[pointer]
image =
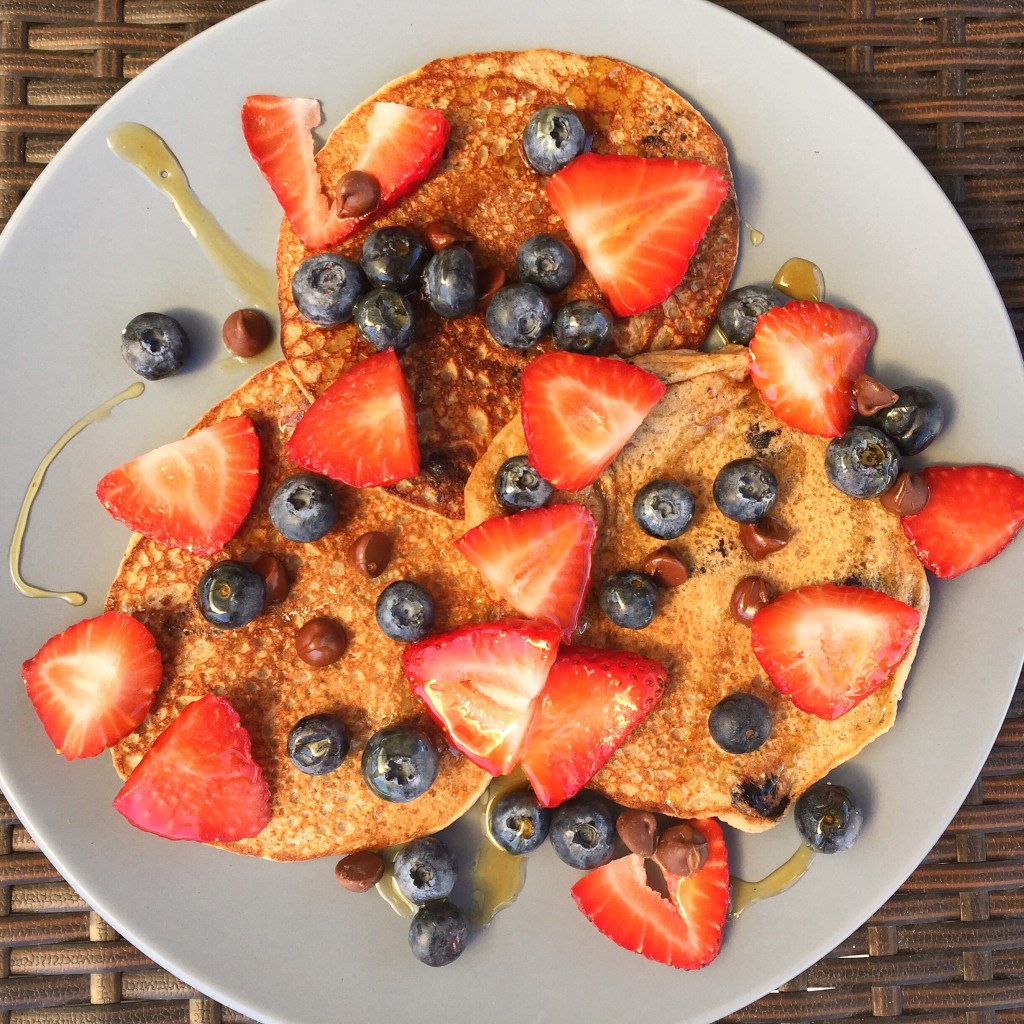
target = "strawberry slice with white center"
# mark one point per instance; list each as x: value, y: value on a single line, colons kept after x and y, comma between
x: 362, y: 429
x: 579, y: 411
x: 94, y: 683
x: 592, y: 700
x: 199, y: 781
x: 830, y: 646
x: 804, y: 359
x: 481, y: 684
x: 636, y: 221
x: 538, y: 560
x: 193, y: 493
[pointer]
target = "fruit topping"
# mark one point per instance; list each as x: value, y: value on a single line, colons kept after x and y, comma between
x: 665, y: 567
x: 547, y: 262
x: 828, y: 818
x: 231, y: 594
x: 370, y: 553
x: 450, y: 282
x: 357, y: 193
x: 663, y: 509
x: 384, y: 319
x: 518, y: 486
x: 583, y: 327
x: 912, y: 421
x: 519, y: 315
x: 93, y: 683
x: 438, y: 933
x: 972, y: 513
x: 425, y: 870
x: 682, y: 850
x: 629, y: 599
x: 579, y: 411
x: 304, y: 507
x: 553, y: 136
x: 750, y: 594
x: 638, y: 831
x: 359, y: 872
x: 320, y: 641
x: 245, y: 333
x: 738, y: 313
x: 830, y: 646
x: 863, y: 463
x: 198, y: 781
x: 740, y: 723
x: 404, y: 611
x: 636, y: 221
x: 317, y: 744
x: 518, y: 823
x: 907, y: 496
x: 400, y: 762
x: 193, y: 493
x: 325, y: 288
x: 154, y: 345
x: 583, y: 832
x: 394, y: 257
x: 745, y: 490
x: 764, y: 537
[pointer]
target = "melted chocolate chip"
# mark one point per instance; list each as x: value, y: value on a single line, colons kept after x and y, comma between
x: 764, y: 537
x: 907, y: 496
x: 359, y: 872
x: 320, y: 642
x: 275, y: 579
x: 870, y: 396
x: 667, y: 568
x: 246, y: 333
x: 442, y: 233
x: 371, y: 552
x: 682, y: 850
x: 358, y: 194
x: 638, y: 831
x: 751, y: 593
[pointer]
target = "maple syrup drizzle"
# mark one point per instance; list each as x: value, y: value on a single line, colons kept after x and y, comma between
x: 800, y: 279
x: 745, y: 893
x: 756, y: 237
x: 17, y: 540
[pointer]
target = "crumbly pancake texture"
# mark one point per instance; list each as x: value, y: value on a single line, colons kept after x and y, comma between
x: 257, y: 668
x: 466, y: 386
x: 710, y: 415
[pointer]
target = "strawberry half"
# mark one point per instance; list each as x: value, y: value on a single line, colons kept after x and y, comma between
x: 538, y: 560
x: 198, y: 781
x: 829, y: 646
x: 193, y: 493
x: 592, y: 700
x: 94, y: 683
x: 636, y: 221
x: 804, y: 358
x: 973, y: 512
x: 579, y: 411
x: 362, y: 429
x: 481, y: 684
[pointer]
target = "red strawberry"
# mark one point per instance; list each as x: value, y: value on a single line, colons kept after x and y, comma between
x: 538, y: 560
x: 481, y: 683
x: 404, y: 145
x: 198, y: 780
x: 831, y: 646
x: 93, y: 683
x: 579, y: 412
x: 590, y: 703
x: 636, y: 221
x: 804, y: 358
x: 193, y: 493
x: 362, y: 429
x: 973, y: 512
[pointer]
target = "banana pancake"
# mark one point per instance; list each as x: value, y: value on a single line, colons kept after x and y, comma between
x: 465, y: 385
x: 709, y: 415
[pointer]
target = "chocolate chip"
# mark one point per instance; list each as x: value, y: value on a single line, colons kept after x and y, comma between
x: 666, y: 567
x: 907, y: 496
x: 320, y: 642
x: 488, y: 281
x: 359, y: 872
x: 246, y: 333
x: 638, y: 831
x: 275, y: 579
x: 442, y: 233
x: 751, y: 593
x: 358, y: 193
x: 764, y: 537
x: 682, y: 850
x: 870, y: 396
x: 371, y: 552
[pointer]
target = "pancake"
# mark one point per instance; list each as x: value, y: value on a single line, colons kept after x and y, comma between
x: 710, y: 415
x: 465, y: 385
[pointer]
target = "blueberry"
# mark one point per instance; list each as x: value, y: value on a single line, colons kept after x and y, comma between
x: 449, y: 282
x: 553, y: 137
x: 384, y: 318
x: 863, y: 463
x: 518, y: 485
x: 629, y: 599
x: 394, y: 257
x: 230, y: 594
x: 438, y: 933
x: 317, y: 744
x: 740, y: 723
x: 519, y: 315
x: 404, y: 611
x: 325, y: 288
x: 425, y: 870
x: 745, y: 490
x: 583, y: 327
x: 400, y: 763
x: 547, y: 262
x: 738, y: 313
x: 517, y: 821
x: 583, y: 832
x: 304, y: 507
x: 154, y: 345
x: 828, y: 818
x: 663, y: 508
x: 913, y: 422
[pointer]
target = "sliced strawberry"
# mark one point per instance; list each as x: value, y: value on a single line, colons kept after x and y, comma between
x: 481, y: 683
x: 829, y: 646
x: 592, y: 700
x: 193, y: 493
x: 362, y: 429
x: 973, y: 512
x: 579, y: 411
x: 538, y: 560
x: 93, y: 683
x: 804, y: 358
x: 636, y: 221
x: 198, y: 781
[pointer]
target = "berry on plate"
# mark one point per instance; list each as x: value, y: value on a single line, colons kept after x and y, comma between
x: 193, y: 493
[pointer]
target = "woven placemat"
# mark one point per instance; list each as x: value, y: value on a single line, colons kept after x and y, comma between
x: 949, y: 77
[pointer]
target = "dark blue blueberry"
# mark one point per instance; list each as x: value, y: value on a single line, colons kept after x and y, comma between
x: 384, y: 318
x: 518, y: 823
x: 553, y: 137
x: 438, y: 933
x: 740, y: 723
x: 304, y: 507
x: 325, y: 288
x: 738, y: 313
x: 449, y: 282
x: 518, y: 485
x: 745, y: 490
x: 425, y: 870
x: 154, y: 345
x: 629, y: 599
x: 863, y: 463
x: 913, y: 422
x: 400, y: 763
x: 828, y: 818
x: 583, y: 832
x: 318, y: 744
x: 547, y: 262
x: 663, y: 508
x: 583, y: 327
x: 230, y: 594
x: 394, y: 257
x: 404, y: 611
x: 519, y: 315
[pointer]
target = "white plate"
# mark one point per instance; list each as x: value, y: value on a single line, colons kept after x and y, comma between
x: 93, y: 244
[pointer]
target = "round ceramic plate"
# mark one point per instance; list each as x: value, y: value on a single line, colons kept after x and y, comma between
x: 93, y: 244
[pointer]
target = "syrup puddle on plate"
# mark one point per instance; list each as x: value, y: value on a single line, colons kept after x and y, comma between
x: 745, y: 893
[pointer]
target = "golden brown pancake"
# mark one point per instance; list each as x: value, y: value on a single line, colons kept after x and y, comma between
x: 466, y: 386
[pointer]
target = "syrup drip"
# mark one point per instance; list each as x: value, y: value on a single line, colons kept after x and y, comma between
x: 756, y: 237
x: 800, y: 279
x: 745, y: 893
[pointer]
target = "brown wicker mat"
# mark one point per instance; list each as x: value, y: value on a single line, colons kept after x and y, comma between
x: 949, y: 77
